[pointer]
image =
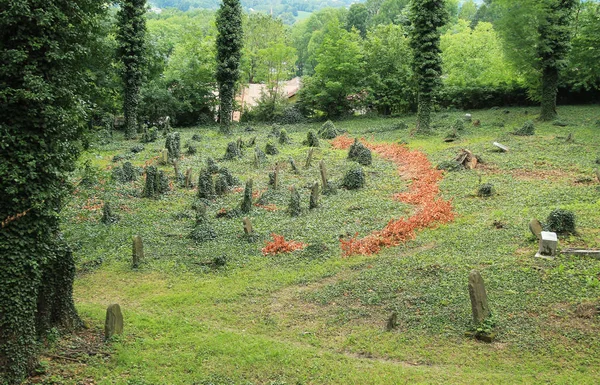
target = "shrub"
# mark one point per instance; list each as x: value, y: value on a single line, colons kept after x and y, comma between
x: 294, y: 207
x: 291, y: 115
x: 485, y: 190
x: 137, y: 148
x: 354, y: 178
x: 270, y: 149
x: 459, y: 125
x: 232, y: 151
x: 156, y: 183
x: 202, y: 230
x: 561, y: 221
x: 108, y: 217
x: 221, y: 185
x: 283, y: 137
x: 312, y: 140
x: 230, y: 179
x: 328, y: 130
x: 206, y: 187
x: 211, y: 165
x: 173, y: 145
x: 191, y: 150
x: 360, y: 153
x: 528, y: 129
x: 449, y: 165
x: 150, y: 135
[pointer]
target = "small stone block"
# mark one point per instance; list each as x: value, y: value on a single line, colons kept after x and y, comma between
x: 114, y: 321
x: 501, y: 146
x: 486, y: 337
x: 548, y: 244
x: 536, y: 228
x: 138, y: 251
x: 468, y: 117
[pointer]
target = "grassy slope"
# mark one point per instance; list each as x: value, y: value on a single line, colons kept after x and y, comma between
x: 306, y: 319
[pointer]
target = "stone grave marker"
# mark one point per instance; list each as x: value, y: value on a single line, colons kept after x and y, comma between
x: 164, y: 156
x: 536, y: 228
x: 548, y: 244
x: 392, y: 322
x: 468, y: 117
x: 247, y: 226
x: 138, y: 251
x: 247, y: 201
x: 479, y: 303
x: 598, y: 174
x: 309, y: 158
x: 113, y: 324
x: 323, y: 170
x: 502, y: 147
x: 188, y: 178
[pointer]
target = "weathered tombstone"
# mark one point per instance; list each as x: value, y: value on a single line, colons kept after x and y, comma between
x: 206, y: 185
x: 323, y: 170
x: 108, y: 217
x: 309, y: 157
x: 548, y: 244
x: 594, y: 253
x: 468, y: 117
x: 536, y: 228
x: 164, y: 156
x: 232, y: 151
x: 502, y: 147
x: 392, y: 322
x: 188, y: 178
x: 202, y: 231
x: 247, y: 226
x: 138, y: 251
x: 247, y: 201
x: 274, y: 178
x: 293, y: 164
x: 173, y: 146
x: 256, y: 161
x: 113, y: 324
x: 314, y: 196
x: 240, y: 143
x: 598, y: 174
x: 479, y: 304
x: 570, y: 138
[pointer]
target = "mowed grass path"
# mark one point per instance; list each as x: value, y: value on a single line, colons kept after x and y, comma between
x: 306, y: 319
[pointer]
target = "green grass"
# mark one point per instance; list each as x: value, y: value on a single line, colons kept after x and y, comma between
x: 305, y: 318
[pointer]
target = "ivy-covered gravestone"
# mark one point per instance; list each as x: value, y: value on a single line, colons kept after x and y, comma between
x: 173, y: 145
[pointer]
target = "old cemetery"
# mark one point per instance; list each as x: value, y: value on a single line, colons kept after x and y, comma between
x: 338, y: 253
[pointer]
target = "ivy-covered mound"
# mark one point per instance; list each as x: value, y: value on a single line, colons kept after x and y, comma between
x: 423, y: 193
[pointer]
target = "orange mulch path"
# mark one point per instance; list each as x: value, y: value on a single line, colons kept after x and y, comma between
x: 431, y: 210
x: 280, y: 245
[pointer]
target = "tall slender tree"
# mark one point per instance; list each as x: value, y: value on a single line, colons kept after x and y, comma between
x: 229, y: 52
x: 555, y: 42
x: 426, y: 16
x: 131, y: 52
x: 537, y: 36
x: 43, y: 46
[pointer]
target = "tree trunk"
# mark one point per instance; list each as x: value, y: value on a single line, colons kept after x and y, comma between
x: 130, y: 107
x: 549, y: 91
x: 226, y: 93
x: 423, y: 114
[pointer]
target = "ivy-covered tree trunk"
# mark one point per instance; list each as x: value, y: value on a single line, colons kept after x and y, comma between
x: 555, y: 41
x: 43, y: 46
x: 426, y: 16
x: 131, y: 52
x: 229, y: 51
x: 549, y: 91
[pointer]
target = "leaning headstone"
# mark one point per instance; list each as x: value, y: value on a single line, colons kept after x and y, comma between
x: 536, y: 228
x: 548, y: 244
x: 113, y: 324
x: 138, y: 251
x: 314, y: 196
x: 323, y: 170
x: 247, y: 201
x: 479, y: 304
x: 502, y: 147
x: 247, y: 226
x: 309, y: 157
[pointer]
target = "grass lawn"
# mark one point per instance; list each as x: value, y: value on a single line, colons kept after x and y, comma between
x: 315, y: 317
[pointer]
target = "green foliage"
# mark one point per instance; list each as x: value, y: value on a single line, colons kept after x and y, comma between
x: 354, y: 178
x: 132, y: 55
x: 527, y: 129
x: 202, y: 231
x: 108, y: 217
x: 584, y: 57
x: 427, y: 17
x: 229, y: 45
x: 328, y: 130
x: 157, y: 183
x: 359, y: 153
x: 270, y: 149
x: 340, y: 63
x: 485, y: 190
x: 173, y: 145
x: 357, y: 18
x: 388, y: 70
x: 294, y: 208
x: 561, y: 221
x: 150, y: 135
x: 206, y: 186
x: 44, y: 44
x: 126, y: 173
x: 312, y: 140
x: 284, y: 137
x: 449, y: 165
x: 232, y: 151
